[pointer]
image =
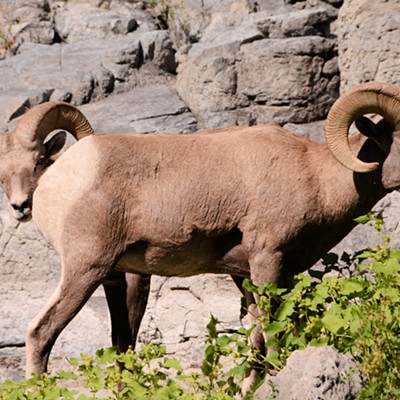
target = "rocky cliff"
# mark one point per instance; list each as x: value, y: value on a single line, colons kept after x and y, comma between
x: 219, y: 63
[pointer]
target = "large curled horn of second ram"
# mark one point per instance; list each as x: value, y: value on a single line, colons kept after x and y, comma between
x: 39, y: 121
x: 374, y: 97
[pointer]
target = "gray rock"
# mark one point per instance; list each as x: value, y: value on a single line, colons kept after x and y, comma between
x: 297, y: 86
x: 276, y: 7
x: 312, y: 130
x: 29, y: 10
x: 215, y: 79
x: 35, y: 32
x: 158, y: 48
x: 207, y: 79
x: 369, y: 47
x: 14, y: 103
x: 314, y: 373
x: 207, y: 19
x: 77, y: 21
x: 191, y: 301
x: 142, y: 110
x: 293, y: 24
x: 87, y: 70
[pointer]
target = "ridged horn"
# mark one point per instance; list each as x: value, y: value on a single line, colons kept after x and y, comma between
x: 374, y: 97
x: 44, y: 118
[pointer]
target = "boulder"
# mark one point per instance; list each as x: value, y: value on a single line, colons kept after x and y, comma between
x: 368, y: 42
x: 85, y: 71
x: 314, y: 373
x: 215, y: 79
x: 298, y: 90
x: 77, y: 21
x: 143, y: 110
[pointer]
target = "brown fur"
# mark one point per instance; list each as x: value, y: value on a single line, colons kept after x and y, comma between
x: 249, y: 201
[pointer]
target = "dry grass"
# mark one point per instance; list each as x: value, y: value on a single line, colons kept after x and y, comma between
x: 7, y: 38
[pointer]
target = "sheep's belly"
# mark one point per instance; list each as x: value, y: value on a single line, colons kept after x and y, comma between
x: 191, y: 258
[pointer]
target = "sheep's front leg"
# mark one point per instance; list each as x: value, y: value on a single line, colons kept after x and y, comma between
x: 127, y: 296
x: 76, y: 286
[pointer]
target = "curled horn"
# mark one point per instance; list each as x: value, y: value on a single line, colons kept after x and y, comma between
x: 39, y: 121
x: 374, y: 97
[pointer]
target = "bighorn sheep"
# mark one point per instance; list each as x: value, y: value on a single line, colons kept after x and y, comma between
x: 24, y: 156
x: 249, y: 201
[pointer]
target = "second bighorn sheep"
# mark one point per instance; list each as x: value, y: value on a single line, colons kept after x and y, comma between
x: 249, y: 201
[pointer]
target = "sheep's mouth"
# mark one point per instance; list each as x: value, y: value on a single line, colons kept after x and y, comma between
x: 23, y: 216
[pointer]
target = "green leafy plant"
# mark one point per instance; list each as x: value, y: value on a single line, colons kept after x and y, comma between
x: 222, y: 383
x: 148, y: 374
x: 354, y: 309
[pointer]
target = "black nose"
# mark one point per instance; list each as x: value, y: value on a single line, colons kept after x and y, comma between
x: 20, y: 207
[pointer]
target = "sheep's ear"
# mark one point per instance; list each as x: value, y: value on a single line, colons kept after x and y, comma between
x: 380, y: 133
x: 55, y: 144
x: 366, y: 127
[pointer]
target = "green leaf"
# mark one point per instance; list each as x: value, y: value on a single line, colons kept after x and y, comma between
x: 394, y: 253
x: 139, y: 392
x: 287, y: 340
x: 212, y: 327
x: 73, y: 361
x: 107, y: 355
x: 389, y: 267
x: 285, y: 310
x: 239, y: 370
x: 332, y: 319
x: 223, y: 340
x: 249, y: 286
x: 392, y: 294
x: 304, y: 281
x: 274, y: 360
x: 275, y: 327
x: 206, y: 368
x: 350, y: 287
x: 272, y: 343
x: 84, y: 397
x: 172, y: 363
x: 68, y: 375
x: 363, y: 219
x: 318, y: 299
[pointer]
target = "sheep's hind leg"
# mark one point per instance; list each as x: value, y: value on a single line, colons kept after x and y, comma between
x: 72, y: 293
x: 127, y: 296
x: 264, y: 267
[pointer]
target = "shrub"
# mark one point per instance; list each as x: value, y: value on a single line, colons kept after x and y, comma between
x: 148, y: 374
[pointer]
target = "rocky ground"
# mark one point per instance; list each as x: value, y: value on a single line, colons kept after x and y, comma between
x: 220, y: 63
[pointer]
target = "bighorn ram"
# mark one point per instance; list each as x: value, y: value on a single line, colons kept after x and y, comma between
x: 24, y: 156
x: 249, y: 201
